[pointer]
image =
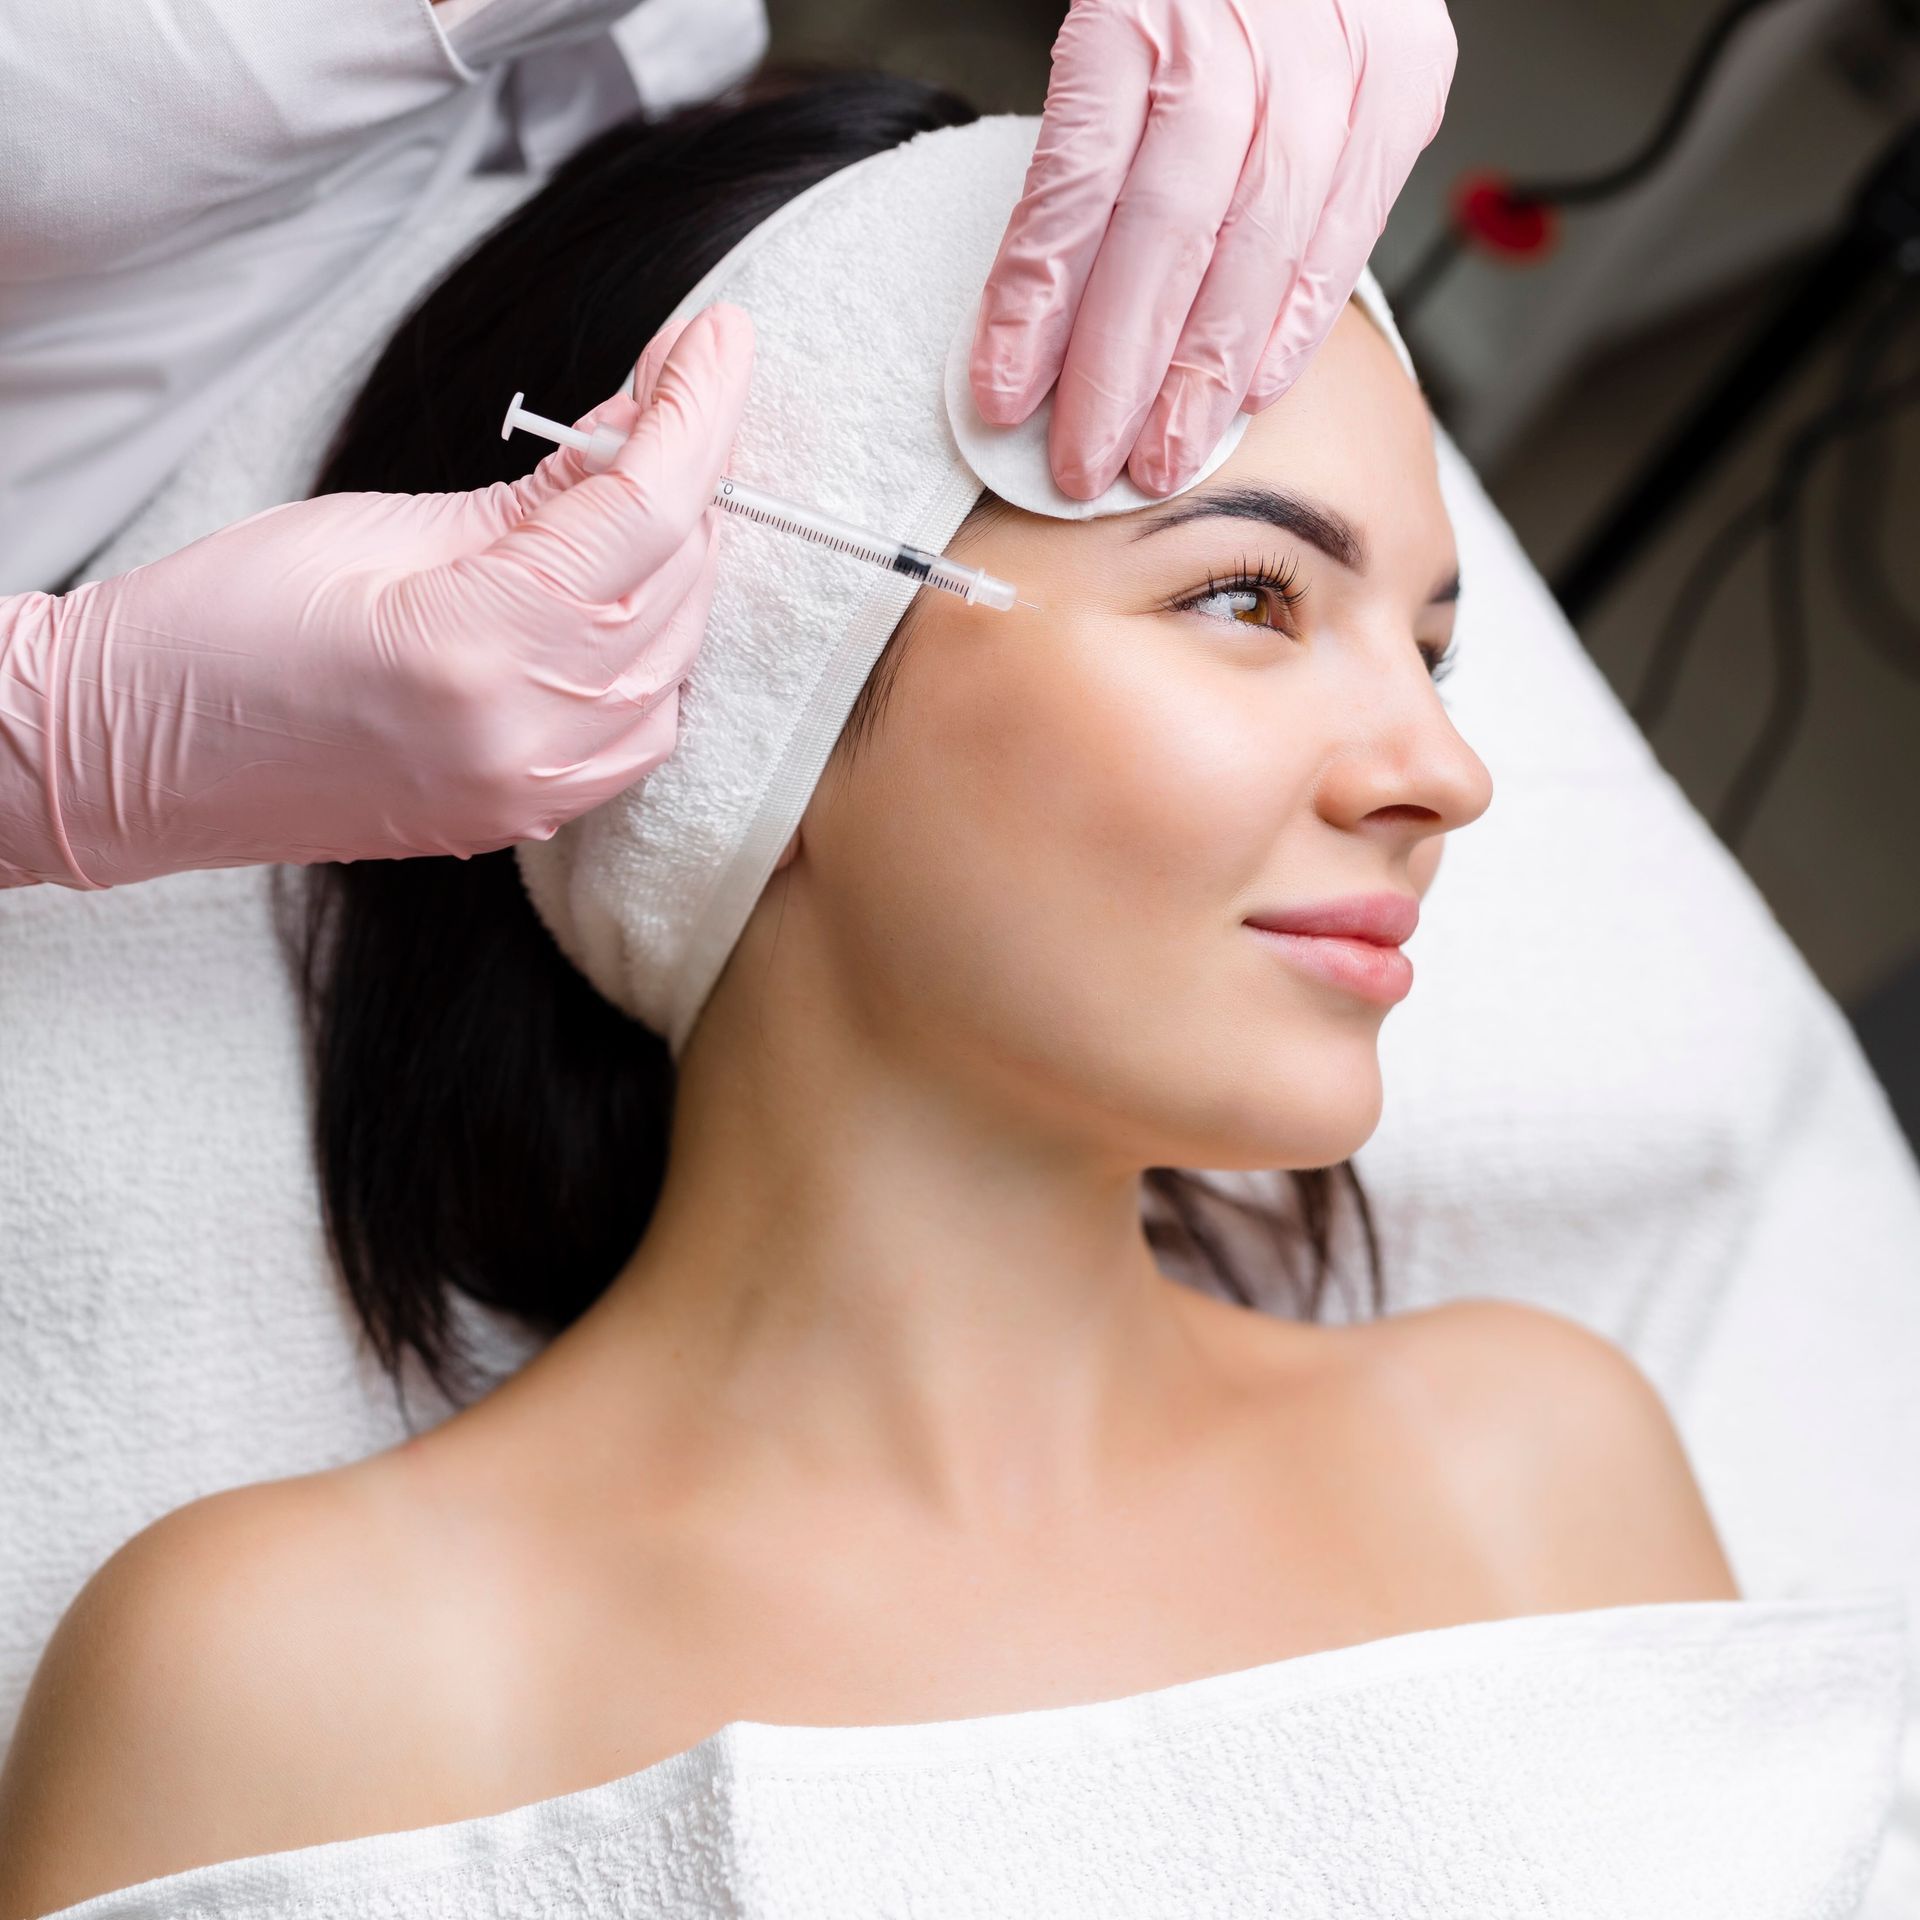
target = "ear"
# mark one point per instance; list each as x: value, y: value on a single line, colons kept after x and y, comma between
x: 788, y: 851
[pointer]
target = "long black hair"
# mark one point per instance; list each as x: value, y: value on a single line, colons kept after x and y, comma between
x: 485, y: 1124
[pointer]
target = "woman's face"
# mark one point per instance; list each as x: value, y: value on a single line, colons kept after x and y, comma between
x: 1040, y: 872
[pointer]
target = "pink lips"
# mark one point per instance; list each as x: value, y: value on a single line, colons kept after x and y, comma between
x: 1352, y: 943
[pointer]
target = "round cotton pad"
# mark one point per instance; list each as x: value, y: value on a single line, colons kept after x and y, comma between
x: 1013, y: 460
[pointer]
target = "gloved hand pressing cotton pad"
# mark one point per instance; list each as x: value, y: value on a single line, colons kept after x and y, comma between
x: 1014, y: 461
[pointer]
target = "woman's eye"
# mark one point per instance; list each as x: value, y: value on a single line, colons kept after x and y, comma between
x: 1248, y: 603
x: 1255, y: 594
x: 1252, y: 605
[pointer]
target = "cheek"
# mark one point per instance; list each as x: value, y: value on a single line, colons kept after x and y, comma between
x: 1040, y: 869
x: 1130, y: 781
x: 1072, y: 827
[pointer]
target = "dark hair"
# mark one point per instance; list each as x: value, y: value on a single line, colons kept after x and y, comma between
x: 485, y: 1124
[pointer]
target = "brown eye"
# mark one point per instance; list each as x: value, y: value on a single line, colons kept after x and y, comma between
x: 1252, y: 606
x: 1255, y: 594
x: 1260, y: 596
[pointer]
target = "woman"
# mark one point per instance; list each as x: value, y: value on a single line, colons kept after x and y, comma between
x: 868, y: 1403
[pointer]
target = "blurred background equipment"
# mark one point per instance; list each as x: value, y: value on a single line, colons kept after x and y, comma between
x: 1661, y: 271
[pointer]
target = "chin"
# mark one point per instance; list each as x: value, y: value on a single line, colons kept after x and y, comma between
x: 1316, y: 1110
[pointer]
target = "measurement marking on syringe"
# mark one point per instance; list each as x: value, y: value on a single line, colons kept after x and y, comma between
x: 833, y: 544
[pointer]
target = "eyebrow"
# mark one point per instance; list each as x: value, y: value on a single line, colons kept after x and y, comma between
x: 1311, y: 520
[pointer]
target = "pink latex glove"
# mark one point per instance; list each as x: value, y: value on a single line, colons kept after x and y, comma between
x: 1210, y: 178
x: 369, y: 675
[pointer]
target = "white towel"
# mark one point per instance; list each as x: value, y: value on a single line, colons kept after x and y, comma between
x: 1617, y: 1092
x: 1730, y: 1760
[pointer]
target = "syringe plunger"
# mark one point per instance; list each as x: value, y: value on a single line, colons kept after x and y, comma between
x: 600, y: 446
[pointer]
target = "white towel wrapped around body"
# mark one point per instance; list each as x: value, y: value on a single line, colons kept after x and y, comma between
x: 1730, y: 1760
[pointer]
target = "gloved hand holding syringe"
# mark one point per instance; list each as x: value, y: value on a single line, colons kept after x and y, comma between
x: 440, y: 673
x: 602, y: 445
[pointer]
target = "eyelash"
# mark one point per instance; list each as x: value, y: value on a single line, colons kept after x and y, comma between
x: 1278, y: 584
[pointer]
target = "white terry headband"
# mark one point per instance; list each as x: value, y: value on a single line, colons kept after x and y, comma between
x: 862, y: 291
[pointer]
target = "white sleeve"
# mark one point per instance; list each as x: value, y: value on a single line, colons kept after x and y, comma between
x: 675, y: 51
x: 680, y: 51
x: 580, y: 65
x: 485, y: 32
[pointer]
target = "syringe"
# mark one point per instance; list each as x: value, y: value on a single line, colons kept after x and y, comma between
x: 970, y: 583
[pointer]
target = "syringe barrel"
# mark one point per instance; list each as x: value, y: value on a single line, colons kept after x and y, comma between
x: 839, y: 536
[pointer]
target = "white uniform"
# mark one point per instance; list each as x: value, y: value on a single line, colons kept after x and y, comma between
x: 181, y: 181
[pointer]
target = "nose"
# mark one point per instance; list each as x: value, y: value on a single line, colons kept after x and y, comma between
x: 1404, y: 771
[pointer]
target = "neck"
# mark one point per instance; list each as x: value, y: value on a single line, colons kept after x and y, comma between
x: 858, y: 1273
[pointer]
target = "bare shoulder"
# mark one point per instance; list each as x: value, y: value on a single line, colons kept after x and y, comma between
x: 1557, y: 1452
x: 191, y: 1705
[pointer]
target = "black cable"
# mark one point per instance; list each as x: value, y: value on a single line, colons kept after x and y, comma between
x: 1661, y: 675
x: 1779, y: 512
x: 1784, y: 507
x: 1427, y: 272
x: 1585, y: 189
x: 1861, y: 411
x: 1861, y: 497
x: 1792, y: 665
